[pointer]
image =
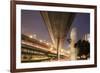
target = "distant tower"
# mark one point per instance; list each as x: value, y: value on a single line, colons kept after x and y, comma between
x: 74, y: 38
x: 86, y: 37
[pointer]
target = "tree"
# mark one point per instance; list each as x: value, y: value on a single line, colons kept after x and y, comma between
x: 83, y: 47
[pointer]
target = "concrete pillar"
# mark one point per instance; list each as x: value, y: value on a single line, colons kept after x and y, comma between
x: 73, y: 50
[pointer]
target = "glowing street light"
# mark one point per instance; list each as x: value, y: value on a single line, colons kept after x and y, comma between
x: 30, y: 36
x: 62, y: 50
x: 51, y: 48
x: 47, y: 43
x: 41, y: 40
x: 68, y: 52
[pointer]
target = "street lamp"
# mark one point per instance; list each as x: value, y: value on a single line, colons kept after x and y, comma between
x: 47, y: 43
x: 30, y: 36
x: 62, y: 50
x: 41, y: 41
x: 51, y: 48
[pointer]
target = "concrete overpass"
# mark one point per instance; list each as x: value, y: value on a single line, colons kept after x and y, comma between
x: 58, y: 24
x: 32, y: 50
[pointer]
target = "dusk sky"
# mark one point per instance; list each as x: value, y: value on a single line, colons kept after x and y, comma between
x: 82, y: 23
x: 32, y: 23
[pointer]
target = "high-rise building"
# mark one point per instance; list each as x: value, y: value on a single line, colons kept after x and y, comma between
x: 86, y: 37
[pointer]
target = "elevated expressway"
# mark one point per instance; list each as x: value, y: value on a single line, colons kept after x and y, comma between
x: 58, y: 25
x: 33, y: 50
